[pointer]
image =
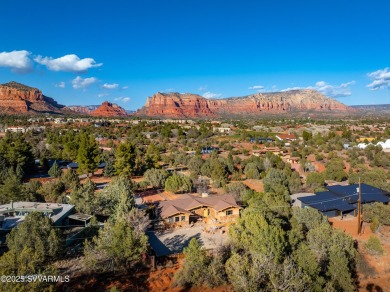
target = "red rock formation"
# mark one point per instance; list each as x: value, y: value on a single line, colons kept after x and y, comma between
x: 175, y: 105
x: 16, y: 98
x: 108, y: 109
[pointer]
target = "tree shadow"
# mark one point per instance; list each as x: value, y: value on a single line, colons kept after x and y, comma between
x: 171, y: 245
x: 373, y: 288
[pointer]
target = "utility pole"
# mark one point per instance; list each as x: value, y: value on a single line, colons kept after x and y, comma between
x: 359, y: 209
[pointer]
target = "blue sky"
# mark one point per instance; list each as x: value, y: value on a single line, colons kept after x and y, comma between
x: 86, y: 52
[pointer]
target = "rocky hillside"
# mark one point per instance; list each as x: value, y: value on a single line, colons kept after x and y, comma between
x: 83, y: 109
x: 176, y: 105
x: 16, y: 98
x: 108, y: 109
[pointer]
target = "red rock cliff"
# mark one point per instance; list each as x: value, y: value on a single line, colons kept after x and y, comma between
x: 175, y: 105
x: 16, y: 98
x: 108, y: 109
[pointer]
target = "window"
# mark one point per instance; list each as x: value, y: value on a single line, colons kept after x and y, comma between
x: 183, y: 218
x: 177, y: 219
x: 170, y: 220
x: 229, y: 212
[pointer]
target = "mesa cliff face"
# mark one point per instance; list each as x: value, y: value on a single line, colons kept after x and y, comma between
x: 108, y: 109
x: 176, y: 105
x: 16, y: 98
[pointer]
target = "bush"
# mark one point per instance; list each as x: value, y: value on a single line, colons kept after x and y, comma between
x: 374, y: 225
x: 178, y: 183
x: 374, y: 246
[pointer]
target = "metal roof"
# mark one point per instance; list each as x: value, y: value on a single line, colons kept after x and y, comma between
x: 326, y: 201
x: 369, y: 193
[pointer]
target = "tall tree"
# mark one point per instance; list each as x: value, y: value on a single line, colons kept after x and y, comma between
x: 88, y: 154
x: 125, y: 157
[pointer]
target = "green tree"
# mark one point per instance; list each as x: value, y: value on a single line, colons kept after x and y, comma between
x: 252, y: 171
x: 16, y: 151
x: 125, y: 159
x: 109, y: 169
x: 10, y: 187
x: 156, y: 177
x: 195, y: 264
x: 195, y: 164
x: 88, y: 154
x: 335, y: 170
x: 152, y: 157
x: 117, y: 198
x: 32, y: 247
x: 55, y: 170
x: 71, y: 179
x: 178, y: 183
x: 315, y: 180
x: 117, y: 247
x: 84, y: 197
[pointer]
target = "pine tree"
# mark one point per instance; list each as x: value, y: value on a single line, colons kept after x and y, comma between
x: 55, y: 170
x: 88, y: 154
x: 125, y: 157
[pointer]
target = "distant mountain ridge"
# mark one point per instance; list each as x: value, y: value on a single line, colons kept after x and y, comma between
x: 374, y: 109
x: 83, y: 109
x: 188, y: 105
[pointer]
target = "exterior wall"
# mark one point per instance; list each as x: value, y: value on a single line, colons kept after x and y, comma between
x: 221, y: 216
x: 171, y: 221
x: 202, y: 211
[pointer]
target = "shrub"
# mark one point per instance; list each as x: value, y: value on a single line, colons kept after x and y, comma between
x: 374, y: 246
x: 374, y: 225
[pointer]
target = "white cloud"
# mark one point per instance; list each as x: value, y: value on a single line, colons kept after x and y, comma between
x: 61, y: 84
x: 123, y: 99
x: 68, y: 63
x: 79, y: 82
x: 256, y: 87
x: 381, y: 79
x: 202, y: 88
x: 125, y: 87
x: 103, y: 95
x: 110, y: 86
x: 209, y: 94
x: 327, y: 89
x: 18, y: 61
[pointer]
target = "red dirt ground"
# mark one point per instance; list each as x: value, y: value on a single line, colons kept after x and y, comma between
x: 254, y: 184
x: 374, y: 272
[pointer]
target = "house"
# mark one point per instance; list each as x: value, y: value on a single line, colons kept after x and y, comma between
x: 14, y: 213
x: 208, y: 150
x: 293, y: 159
x: 221, y: 130
x: 261, y: 140
x: 339, y: 199
x: 286, y: 137
x: 181, y: 212
x: 16, y: 129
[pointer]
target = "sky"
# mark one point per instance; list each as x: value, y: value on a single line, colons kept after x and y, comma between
x: 86, y: 52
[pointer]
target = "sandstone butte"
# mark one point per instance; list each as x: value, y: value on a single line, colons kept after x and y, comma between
x: 176, y: 105
x: 16, y: 98
x: 108, y: 109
